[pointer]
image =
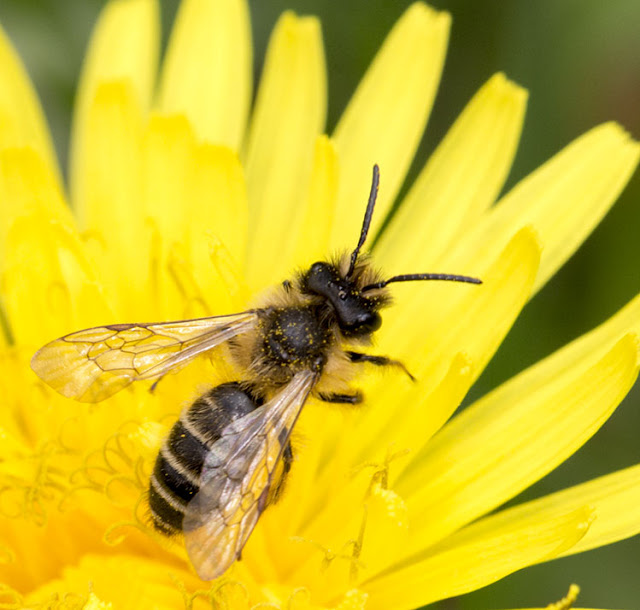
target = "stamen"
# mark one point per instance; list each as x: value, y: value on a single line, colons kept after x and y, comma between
x: 381, y: 469
x: 297, y: 593
x: 140, y: 522
x: 61, y: 440
x: 28, y: 499
x: 120, y: 472
x: 12, y: 600
x: 111, y: 536
x: 378, y: 487
x: 93, y: 601
x: 395, y: 507
x: 179, y: 584
x: 118, y: 460
x: 357, y: 546
x: 356, y: 599
x: 69, y: 601
x: 329, y: 555
x: 111, y: 491
x: 566, y: 602
x: 221, y: 594
x: 113, y: 449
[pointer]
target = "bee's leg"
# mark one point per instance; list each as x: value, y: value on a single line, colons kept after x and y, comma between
x: 280, y: 477
x: 379, y: 361
x: 343, y: 399
x: 154, y: 385
x: 287, y: 285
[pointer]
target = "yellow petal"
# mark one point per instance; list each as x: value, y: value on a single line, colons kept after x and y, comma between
x: 312, y: 235
x: 109, y: 202
x: 386, y: 116
x: 583, y: 352
x: 28, y: 187
x: 218, y: 203
x: 477, y: 556
x: 169, y: 146
x: 194, y: 197
x: 473, y: 324
x: 22, y: 122
x: 502, y: 448
x: 215, y: 206
x: 288, y: 117
x: 615, y: 498
x: 149, y: 584
x: 460, y: 181
x: 28, y: 570
x: 565, y: 363
x: 432, y: 321
x: 207, y: 70
x: 168, y: 149
x: 564, y: 199
x: 48, y: 286
x: 476, y: 326
x: 35, y: 218
x: 424, y: 410
x: 124, y: 46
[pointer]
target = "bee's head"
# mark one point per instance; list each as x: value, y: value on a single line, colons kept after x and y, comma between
x: 356, y: 311
x: 357, y: 315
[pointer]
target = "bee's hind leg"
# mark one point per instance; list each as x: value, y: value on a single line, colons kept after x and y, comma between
x: 154, y: 385
x: 378, y: 361
x: 343, y: 399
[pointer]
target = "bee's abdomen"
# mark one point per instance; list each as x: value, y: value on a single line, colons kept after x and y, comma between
x: 176, y: 475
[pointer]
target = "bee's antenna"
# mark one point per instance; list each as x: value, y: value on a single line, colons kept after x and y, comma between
x: 412, y: 277
x: 375, y: 183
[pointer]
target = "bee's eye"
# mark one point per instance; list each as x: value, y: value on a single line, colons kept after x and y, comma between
x: 319, y: 279
x: 356, y: 315
x: 365, y: 323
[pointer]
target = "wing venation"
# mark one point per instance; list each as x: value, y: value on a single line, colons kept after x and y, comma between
x: 93, y: 364
x: 236, y: 479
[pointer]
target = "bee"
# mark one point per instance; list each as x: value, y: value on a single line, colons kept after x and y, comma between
x: 226, y: 459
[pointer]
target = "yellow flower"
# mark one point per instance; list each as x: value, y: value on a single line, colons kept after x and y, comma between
x: 185, y: 207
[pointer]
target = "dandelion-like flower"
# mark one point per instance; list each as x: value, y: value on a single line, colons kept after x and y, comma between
x: 184, y: 206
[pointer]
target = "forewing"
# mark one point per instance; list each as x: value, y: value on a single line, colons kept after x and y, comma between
x: 236, y: 478
x: 93, y: 364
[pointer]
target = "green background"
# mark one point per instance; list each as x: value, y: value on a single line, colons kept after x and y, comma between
x: 580, y: 61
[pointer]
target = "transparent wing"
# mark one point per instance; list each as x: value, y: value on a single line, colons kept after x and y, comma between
x: 93, y: 364
x: 236, y: 478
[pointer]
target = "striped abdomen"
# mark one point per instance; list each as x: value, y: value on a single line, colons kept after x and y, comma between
x: 176, y: 476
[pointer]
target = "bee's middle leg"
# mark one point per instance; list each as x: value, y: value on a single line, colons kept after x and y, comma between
x: 343, y: 399
x: 378, y: 361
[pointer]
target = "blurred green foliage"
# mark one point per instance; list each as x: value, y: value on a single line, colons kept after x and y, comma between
x: 580, y: 60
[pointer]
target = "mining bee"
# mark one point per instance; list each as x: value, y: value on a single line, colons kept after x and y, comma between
x: 227, y: 457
